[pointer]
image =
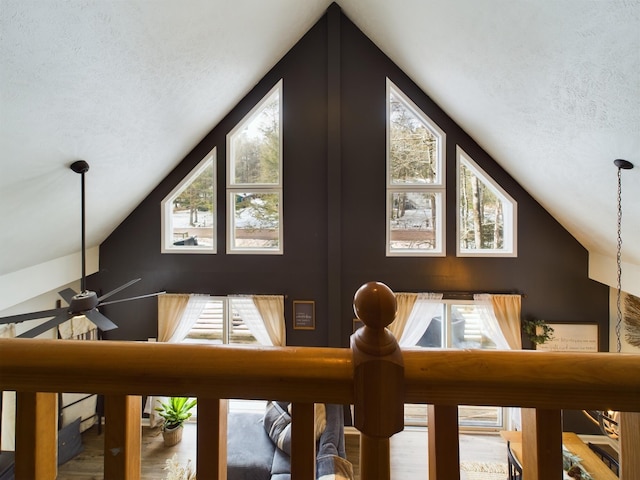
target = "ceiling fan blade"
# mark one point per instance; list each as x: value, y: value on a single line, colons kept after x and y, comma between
x: 119, y: 289
x: 48, y: 325
x: 67, y: 294
x: 102, y: 322
x: 133, y: 298
x: 21, y: 317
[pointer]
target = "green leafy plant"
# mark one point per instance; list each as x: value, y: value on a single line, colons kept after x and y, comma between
x: 176, y: 411
x: 538, y: 331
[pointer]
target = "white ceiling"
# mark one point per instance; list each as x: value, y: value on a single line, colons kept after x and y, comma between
x: 551, y: 89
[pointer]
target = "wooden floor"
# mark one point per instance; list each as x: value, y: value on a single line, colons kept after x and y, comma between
x: 408, y: 453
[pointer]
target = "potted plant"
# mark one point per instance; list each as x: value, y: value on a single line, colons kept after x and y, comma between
x: 175, y: 411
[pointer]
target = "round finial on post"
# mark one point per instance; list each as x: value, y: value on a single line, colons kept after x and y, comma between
x: 375, y: 305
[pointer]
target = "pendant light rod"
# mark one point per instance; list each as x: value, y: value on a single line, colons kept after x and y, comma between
x: 82, y: 167
x: 622, y: 165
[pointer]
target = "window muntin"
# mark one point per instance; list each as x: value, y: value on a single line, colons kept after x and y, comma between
x: 487, y: 215
x: 415, y: 179
x: 188, y: 213
x: 254, y: 179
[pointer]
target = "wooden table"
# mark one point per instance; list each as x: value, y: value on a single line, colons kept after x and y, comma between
x: 590, y: 461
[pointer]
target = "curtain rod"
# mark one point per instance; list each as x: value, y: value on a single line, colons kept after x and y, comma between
x: 468, y: 294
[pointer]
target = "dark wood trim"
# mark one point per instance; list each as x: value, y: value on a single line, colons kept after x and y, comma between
x: 334, y: 178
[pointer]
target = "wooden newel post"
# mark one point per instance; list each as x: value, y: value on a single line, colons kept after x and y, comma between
x: 378, y: 379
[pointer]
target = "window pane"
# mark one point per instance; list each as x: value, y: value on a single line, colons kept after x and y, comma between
x: 256, y: 146
x: 466, y: 328
x: 413, y: 221
x: 433, y: 337
x: 210, y: 325
x: 480, y: 416
x: 481, y: 213
x: 256, y: 220
x: 413, y: 147
x: 192, y: 212
x: 239, y: 331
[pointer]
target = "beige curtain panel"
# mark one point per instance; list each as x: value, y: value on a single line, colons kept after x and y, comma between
x: 271, y: 308
x: 405, y: 302
x: 507, y: 310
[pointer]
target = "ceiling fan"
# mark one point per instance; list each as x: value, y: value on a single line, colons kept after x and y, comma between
x: 84, y: 303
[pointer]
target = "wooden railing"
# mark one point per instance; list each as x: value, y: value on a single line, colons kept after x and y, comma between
x: 374, y: 375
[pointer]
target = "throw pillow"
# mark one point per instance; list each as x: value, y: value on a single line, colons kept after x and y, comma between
x: 69, y: 441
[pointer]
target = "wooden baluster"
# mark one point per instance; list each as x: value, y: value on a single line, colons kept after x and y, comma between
x: 629, y: 444
x: 36, y: 436
x: 122, y: 437
x: 303, y: 444
x: 541, y: 444
x: 378, y: 379
x: 443, y: 446
x: 212, y: 438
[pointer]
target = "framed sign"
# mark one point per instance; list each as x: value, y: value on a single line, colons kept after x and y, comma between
x: 304, y: 315
x: 572, y: 337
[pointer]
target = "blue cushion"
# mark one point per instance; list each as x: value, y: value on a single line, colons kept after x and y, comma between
x: 69, y: 441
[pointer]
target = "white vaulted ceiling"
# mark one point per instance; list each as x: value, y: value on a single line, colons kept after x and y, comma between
x: 551, y: 89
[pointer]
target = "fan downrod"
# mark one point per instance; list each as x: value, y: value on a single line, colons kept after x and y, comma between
x: 79, y: 166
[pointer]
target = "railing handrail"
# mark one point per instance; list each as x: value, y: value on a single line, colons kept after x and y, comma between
x: 314, y: 374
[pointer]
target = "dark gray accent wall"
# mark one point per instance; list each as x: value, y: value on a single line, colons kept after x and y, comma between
x: 334, y: 210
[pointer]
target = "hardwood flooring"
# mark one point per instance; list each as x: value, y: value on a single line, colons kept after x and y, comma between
x: 408, y: 453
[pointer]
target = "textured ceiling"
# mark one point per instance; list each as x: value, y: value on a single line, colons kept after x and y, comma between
x: 551, y: 89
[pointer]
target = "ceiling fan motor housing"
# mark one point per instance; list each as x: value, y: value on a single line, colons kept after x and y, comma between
x: 84, y: 301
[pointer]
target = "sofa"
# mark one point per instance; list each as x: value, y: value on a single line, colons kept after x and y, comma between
x: 259, y: 445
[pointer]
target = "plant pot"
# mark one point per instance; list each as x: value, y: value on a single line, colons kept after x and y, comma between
x: 172, y: 436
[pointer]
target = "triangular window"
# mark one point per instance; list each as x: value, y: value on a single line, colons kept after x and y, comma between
x: 188, y: 213
x: 487, y: 215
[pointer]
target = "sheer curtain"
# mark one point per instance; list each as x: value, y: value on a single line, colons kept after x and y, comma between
x: 490, y: 325
x: 264, y: 316
x: 426, y: 306
x: 177, y: 313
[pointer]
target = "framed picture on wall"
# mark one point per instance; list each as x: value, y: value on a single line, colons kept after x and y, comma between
x: 572, y: 337
x: 304, y: 315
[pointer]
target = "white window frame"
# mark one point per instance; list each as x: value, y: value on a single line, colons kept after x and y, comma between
x: 234, y: 188
x: 509, y: 213
x: 446, y: 333
x: 438, y: 187
x: 166, y: 223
